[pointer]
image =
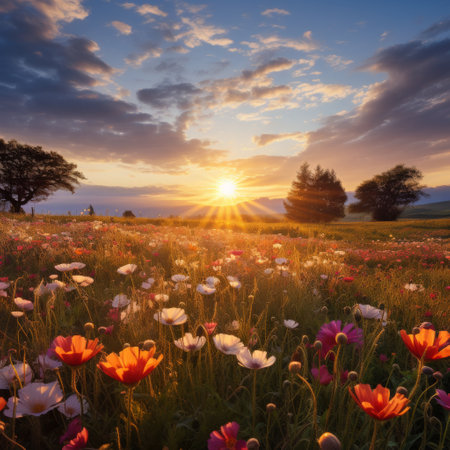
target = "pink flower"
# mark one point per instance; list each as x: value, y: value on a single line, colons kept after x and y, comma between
x: 78, y: 442
x: 57, y: 342
x: 383, y: 357
x: 73, y: 429
x: 210, y: 327
x: 443, y: 399
x: 322, y: 375
x: 348, y: 279
x: 328, y: 332
x: 226, y: 438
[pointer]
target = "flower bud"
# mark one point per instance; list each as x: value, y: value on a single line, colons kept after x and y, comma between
x: 318, y: 345
x: 271, y: 407
x: 126, y: 345
x: 428, y: 371
x: 324, y: 310
x: 102, y: 330
x: 416, y: 330
x: 341, y: 339
x: 395, y: 367
x: 182, y: 305
x: 438, y: 375
x: 305, y: 339
x: 329, y: 441
x: 89, y: 326
x: 402, y: 390
x: 435, y: 422
x: 295, y: 366
x: 347, y: 310
x: 353, y: 376
x: 148, y: 344
x: 286, y: 384
x: 253, y: 444
x: 357, y: 315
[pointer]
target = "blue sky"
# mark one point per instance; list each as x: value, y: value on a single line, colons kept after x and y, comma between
x: 175, y: 96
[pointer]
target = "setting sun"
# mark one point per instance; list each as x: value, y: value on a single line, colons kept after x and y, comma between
x: 227, y: 189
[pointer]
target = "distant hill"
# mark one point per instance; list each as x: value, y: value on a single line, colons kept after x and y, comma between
x: 437, y: 210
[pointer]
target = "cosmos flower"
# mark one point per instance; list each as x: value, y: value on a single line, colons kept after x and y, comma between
x: 24, y: 305
x: 256, y: 360
x: 65, y: 267
x: 120, y: 300
x: 47, y: 363
x: 73, y: 429
x: 290, y: 324
x: 414, y: 287
x: 127, y: 269
x: 148, y: 283
x: 190, y: 343
x: 425, y: 344
x: 76, y: 350
x: 171, y: 316
x: 82, y: 280
x: 212, y: 281
x: 228, y: 344
x: 370, y: 312
x: 443, y: 399
x: 205, y: 289
x: 78, y: 442
x: 131, y: 365
x: 226, y: 438
x: 34, y: 399
x: 234, y: 282
x: 71, y: 406
x: 328, y: 332
x: 9, y: 373
x: 322, y: 375
x: 179, y: 278
x: 376, y: 402
x: 161, y: 298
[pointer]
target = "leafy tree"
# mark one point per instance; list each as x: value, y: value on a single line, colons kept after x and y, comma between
x: 385, y: 196
x: 31, y: 174
x: 128, y: 213
x: 91, y: 211
x: 315, y: 196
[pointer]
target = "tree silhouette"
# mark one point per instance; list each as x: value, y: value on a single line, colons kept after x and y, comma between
x: 385, y: 196
x: 128, y: 213
x: 315, y: 196
x: 91, y: 211
x: 31, y: 174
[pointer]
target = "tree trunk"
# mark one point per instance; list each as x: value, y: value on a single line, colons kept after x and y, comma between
x: 16, y: 207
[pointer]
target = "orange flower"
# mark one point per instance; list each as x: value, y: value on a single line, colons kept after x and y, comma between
x: 131, y: 365
x: 2, y: 403
x: 376, y: 403
x: 76, y: 350
x: 425, y: 344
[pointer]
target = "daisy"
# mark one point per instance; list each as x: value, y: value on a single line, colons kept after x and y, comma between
x: 171, y: 316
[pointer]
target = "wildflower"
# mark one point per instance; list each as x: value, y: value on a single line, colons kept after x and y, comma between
x: 46, y: 363
x: 161, y: 298
x: 10, y: 373
x: 179, y: 278
x: 425, y: 344
x: 34, y: 399
x: 71, y: 407
x: 120, y: 300
x: 226, y: 438
x: 23, y: 304
x: 322, y: 374
x: 171, y: 316
x: 328, y: 332
x: 210, y: 327
x: 127, y: 269
x: 82, y: 280
x: 414, y: 287
x: 234, y: 282
x: 148, y: 283
x: 443, y: 399
x: 78, y: 442
x: 73, y: 429
x: 376, y: 402
x: 212, y: 281
x: 281, y: 261
x: 228, y: 344
x: 17, y: 314
x: 131, y: 364
x: 290, y: 324
x: 76, y: 350
x: 2, y: 403
x: 190, y: 343
x: 370, y: 312
x: 256, y: 360
x: 205, y: 289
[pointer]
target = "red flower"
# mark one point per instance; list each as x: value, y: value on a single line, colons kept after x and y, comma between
x: 78, y: 442
x: 425, y: 344
x: 76, y: 350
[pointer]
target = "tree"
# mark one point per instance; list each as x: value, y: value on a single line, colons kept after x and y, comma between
x: 91, y: 211
x: 315, y: 196
x: 385, y: 196
x: 31, y: 174
x: 128, y: 213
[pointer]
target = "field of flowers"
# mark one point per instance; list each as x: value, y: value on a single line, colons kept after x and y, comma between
x: 142, y: 336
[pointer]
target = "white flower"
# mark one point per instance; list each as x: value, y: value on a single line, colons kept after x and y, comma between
x: 3, y: 285
x: 290, y: 324
x: 212, y: 281
x: 205, y: 289
x: 131, y: 309
x: 414, y: 287
x: 324, y: 276
x: 161, y: 297
x: 179, y: 278
x: 277, y: 245
x: 17, y: 314
x: 77, y: 265
x: 281, y: 261
x: 256, y: 360
x: 147, y: 284
x: 82, y: 280
x: 190, y: 343
x: 370, y: 312
x: 34, y: 399
x: 268, y: 271
x: 180, y: 262
x: 8, y: 374
x: 72, y: 407
x: 234, y: 325
x: 227, y: 343
x: 234, y: 282
x: 120, y: 300
x: 46, y: 363
x: 171, y: 316
x: 64, y: 267
x: 127, y: 269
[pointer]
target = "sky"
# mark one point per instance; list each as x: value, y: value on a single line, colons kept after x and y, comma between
x: 159, y: 103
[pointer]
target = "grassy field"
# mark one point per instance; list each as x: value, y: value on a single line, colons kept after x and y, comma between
x: 275, y: 287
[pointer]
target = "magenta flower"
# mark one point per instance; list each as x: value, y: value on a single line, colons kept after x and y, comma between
x: 322, y: 375
x: 443, y: 399
x: 328, y: 332
x: 226, y: 438
x: 73, y: 429
x: 78, y: 442
x: 57, y: 342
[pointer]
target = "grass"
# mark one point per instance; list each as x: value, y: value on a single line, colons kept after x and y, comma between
x: 329, y: 270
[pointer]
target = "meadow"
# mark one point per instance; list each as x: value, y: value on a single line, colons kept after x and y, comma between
x: 248, y: 335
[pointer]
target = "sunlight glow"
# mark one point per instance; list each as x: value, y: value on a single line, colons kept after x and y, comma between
x: 227, y: 188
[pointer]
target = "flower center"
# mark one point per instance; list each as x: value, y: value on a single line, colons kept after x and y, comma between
x: 37, y: 408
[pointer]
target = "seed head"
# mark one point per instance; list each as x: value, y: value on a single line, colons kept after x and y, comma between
x: 402, y: 390
x: 271, y: 407
x: 341, y: 339
x: 148, y: 344
x: 329, y: 441
x: 253, y: 444
x: 295, y: 366
x: 353, y: 376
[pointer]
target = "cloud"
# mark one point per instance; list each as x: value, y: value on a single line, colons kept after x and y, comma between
x: 326, y: 92
x: 437, y: 28
x: 198, y: 32
x: 264, y: 43
x: 165, y: 96
x: 121, y: 27
x: 338, y: 62
x: 384, y: 35
x: 150, y: 51
x: 265, y: 139
x: 150, y: 9
x: 271, y: 12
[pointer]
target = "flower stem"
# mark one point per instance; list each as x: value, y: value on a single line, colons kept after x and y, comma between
x: 416, y: 385
x: 441, y: 443
x: 316, y: 433
x: 374, y: 436
x: 130, y: 398
x: 254, y: 402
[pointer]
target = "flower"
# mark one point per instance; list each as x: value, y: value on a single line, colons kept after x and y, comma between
x: 212, y: 281
x: 234, y: 282
x: 413, y: 287
x: 46, y: 363
x: 34, y: 399
x: 290, y: 324
x: 73, y: 429
x: 322, y: 374
x: 2, y: 403
x: 210, y: 327
x: 72, y: 407
x: 127, y: 269
x: 205, y: 289
x: 64, y: 267
x: 130, y: 365
x: 78, y: 442
x: 120, y: 300
x: 256, y: 360
x: 443, y: 399
x: 82, y: 280
x: 370, y: 312
x: 76, y: 350
x: 226, y: 438
x: 228, y: 344
x: 189, y: 342
x: 147, y: 284
x: 376, y: 402
x: 9, y: 373
x: 23, y: 304
x: 179, y: 278
x: 171, y: 316
x: 328, y: 332
x: 425, y: 344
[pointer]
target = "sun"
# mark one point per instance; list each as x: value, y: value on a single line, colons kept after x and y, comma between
x: 227, y: 189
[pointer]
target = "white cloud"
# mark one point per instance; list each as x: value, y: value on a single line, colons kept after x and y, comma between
x: 121, y: 27
x: 150, y: 9
x: 271, y: 12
